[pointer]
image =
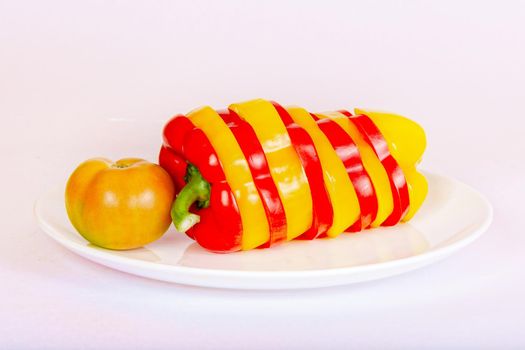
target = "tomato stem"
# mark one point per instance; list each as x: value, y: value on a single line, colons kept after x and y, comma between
x: 197, y: 190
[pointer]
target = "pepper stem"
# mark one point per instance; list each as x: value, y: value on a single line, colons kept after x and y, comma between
x: 197, y: 189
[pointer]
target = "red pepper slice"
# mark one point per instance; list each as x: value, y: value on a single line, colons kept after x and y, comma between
x: 262, y: 178
x: 396, y: 177
x: 220, y: 226
x: 348, y: 152
x: 174, y: 165
x: 175, y: 131
x: 323, y: 213
x: 198, y: 150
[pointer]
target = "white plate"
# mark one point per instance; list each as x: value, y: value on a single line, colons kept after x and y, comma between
x: 452, y: 216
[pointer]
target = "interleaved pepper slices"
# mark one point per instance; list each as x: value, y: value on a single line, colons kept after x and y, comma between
x: 396, y: 177
x: 285, y: 166
x: 349, y: 154
x: 406, y: 143
x: 323, y: 213
x: 278, y: 173
x: 237, y: 171
x: 254, y: 153
x: 340, y: 189
x: 190, y: 159
x: 373, y: 166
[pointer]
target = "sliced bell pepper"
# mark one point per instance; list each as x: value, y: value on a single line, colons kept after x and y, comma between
x: 238, y: 176
x: 205, y: 196
x: 258, y: 173
x: 397, y: 179
x: 406, y: 142
x: 349, y: 154
x: 323, y: 213
x: 373, y: 166
x: 254, y: 154
x: 174, y: 165
x: 340, y: 189
x: 285, y: 166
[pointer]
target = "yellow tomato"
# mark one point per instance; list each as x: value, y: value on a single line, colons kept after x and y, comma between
x: 121, y: 205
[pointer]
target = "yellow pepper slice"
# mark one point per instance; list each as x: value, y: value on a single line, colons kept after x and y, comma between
x: 373, y: 166
x: 238, y: 175
x: 340, y: 189
x: 406, y: 142
x: 284, y: 163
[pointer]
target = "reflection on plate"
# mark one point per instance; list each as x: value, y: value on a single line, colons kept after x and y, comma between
x: 357, y: 249
x: 452, y: 216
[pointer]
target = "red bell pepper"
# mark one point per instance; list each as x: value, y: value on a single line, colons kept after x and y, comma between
x: 254, y: 154
x: 398, y: 183
x: 189, y: 158
x: 322, y: 210
x: 348, y: 152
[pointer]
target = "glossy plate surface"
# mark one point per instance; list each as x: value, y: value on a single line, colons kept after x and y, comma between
x: 452, y: 216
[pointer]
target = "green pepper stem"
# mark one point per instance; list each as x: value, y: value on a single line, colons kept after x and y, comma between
x: 197, y: 189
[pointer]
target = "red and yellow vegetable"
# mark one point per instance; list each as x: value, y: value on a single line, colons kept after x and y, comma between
x: 259, y: 174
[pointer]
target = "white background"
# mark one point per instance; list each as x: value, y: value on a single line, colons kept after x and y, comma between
x: 67, y: 69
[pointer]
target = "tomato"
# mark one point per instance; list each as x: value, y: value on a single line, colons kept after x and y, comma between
x: 121, y: 205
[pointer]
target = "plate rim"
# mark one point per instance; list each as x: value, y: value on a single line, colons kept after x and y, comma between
x: 431, y: 255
